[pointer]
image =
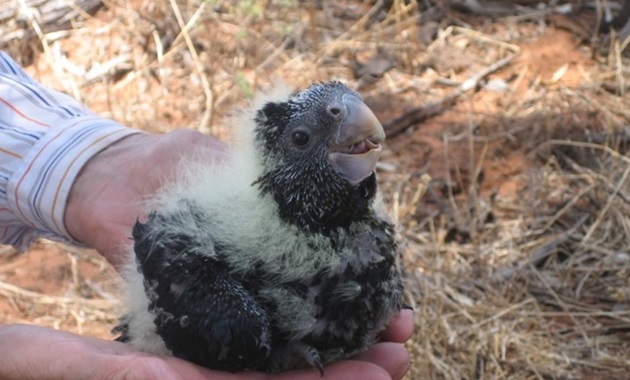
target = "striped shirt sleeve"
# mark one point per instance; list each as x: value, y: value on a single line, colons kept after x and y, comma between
x: 45, y: 139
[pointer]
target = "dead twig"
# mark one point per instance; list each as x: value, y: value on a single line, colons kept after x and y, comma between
x: 541, y: 253
x: 422, y: 113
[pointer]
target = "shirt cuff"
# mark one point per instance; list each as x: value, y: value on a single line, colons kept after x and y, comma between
x: 38, y: 189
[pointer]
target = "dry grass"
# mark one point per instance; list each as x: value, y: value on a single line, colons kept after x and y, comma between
x: 518, y: 254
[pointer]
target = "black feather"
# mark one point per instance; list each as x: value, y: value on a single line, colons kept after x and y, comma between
x: 233, y: 317
x: 202, y: 314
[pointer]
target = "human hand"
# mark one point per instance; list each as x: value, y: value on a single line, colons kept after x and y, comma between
x: 33, y: 352
x: 106, y: 198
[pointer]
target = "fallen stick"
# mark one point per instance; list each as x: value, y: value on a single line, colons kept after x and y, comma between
x: 417, y: 115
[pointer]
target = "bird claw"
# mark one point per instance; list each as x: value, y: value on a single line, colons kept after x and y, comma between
x: 320, y: 367
x: 311, y: 356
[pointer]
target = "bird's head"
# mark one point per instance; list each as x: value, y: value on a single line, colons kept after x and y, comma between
x: 319, y: 149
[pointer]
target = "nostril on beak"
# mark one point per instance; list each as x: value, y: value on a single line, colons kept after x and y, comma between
x: 335, y: 111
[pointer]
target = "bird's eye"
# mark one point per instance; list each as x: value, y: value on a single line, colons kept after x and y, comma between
x: 300, y: 138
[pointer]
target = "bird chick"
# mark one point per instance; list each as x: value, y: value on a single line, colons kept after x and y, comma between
x: 279, y: 258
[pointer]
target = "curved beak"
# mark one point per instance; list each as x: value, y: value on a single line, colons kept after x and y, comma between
x: 357, y: 148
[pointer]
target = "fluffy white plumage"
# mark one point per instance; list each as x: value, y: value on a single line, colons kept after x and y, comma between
x: 225, y: 190
x: 233, y: 211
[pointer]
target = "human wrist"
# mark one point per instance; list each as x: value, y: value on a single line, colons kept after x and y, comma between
x: 37, y: 191
x: 89, y: 187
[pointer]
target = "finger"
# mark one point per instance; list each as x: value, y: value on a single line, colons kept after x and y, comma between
x: 383, y: 361
x: 171, y: 368
x: 400, y: 328
x: 343, y: 370
x: 392, y: 357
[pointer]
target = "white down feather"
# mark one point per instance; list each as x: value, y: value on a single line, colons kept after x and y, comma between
x: 238, y: 217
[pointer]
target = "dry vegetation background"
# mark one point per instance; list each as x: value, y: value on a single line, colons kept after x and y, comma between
x: 518, y: 253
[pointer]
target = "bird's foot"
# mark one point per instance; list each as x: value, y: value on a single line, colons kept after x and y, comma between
x: 311, y: 356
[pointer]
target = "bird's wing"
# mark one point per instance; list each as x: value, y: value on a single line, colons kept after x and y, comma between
x: 201, y: 312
